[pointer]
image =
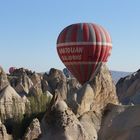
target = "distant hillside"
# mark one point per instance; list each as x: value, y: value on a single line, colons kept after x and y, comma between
x: 116, y: 75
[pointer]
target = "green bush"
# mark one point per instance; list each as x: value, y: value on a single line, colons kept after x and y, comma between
x: 38, y: 103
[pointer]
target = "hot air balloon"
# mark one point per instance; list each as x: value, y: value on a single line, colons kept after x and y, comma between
x: 83, y: 48
x: 11, y: 70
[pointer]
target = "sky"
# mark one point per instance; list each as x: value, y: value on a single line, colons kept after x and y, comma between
x: 29, y: 30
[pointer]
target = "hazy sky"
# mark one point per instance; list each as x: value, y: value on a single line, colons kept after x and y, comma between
x: 29, y: 30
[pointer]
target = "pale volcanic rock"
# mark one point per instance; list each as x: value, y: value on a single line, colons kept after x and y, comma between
x: 91, y: 121
x: 37, y: 86
x: 33, y: 131
x: 36, y: 79
x: 11, y: 104
x: 45, y: 86
x: 104, y: 89
x: 60, y: 123
x: 96, y: 94
x: 57, y: 81
x: 24, y: 84
x: 120, y: 123
x: 84, y: 99
x: 3, y: 79
x: 128, y: 89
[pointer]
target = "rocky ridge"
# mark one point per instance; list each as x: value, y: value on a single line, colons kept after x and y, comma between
x: 128, y: 89
x: 76, y: 112
x: 96, y: 94
x: 61, y: 123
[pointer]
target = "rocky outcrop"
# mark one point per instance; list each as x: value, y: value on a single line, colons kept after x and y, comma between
x: 87, y: 102
x: 21, y: 71
x: 128, y: 89
x: 57, y: 81
x: 120, y: 123
x: 104, y: 89
x: 22, y: 84
x: 96, y: 94
x: 28, y: 83
x: 33, y: 131
x: 3, y: 133
x: 37, y: 84
x: 72, y: 88
x: 3, y: 79
x: 60, y: 123
x: 45, y: 86
x: 11, y: 104
x: 91, y: 121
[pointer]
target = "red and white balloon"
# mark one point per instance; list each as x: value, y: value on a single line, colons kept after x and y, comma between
x: 82, y: 47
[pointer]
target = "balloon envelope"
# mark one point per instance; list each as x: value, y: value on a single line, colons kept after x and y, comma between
x: 82, y: 47
x: 11, y: 69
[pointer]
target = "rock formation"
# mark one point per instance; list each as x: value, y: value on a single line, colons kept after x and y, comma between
x: 11, y: 104
x: 3, y: 133
x: 3, y: 79
x: 21, y: 71
x: 57, y: 81
x: 33, y: 131
x: 22, y: 84
x: 37, y: 85
x: 28, y: 83
x: 96, y: 94
x: 91, y: 121
x: 87, y: 102
x: 60, y: 123
x: 128, y: 89
x: 120, y: 123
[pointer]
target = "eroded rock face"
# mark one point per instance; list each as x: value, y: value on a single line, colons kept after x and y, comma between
x: 128, y: 89
x: 3, y: 79
x: 3, y: 133
x: 11, y: 104
x: 104, y: 89
x: 91, y: 121
x: 120, y: 123
x: 45, y: 86
x: 96, y: 94
x: 22, y: 84
x: 72, y: 88
x: 60, y: 123
x: 33, y: 131
x: 28, y: 83
x: 36, y: 79
x: 57, y: 81
x: 21, y: 71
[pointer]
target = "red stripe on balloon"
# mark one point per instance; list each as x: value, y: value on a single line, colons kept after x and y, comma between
x: 63, y: 36
x: 85, y: 32
x: 107, y: 53
x: 103, y: 53
x: 72, y: 70
x: 74, y: 33
x: 77, y: 73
